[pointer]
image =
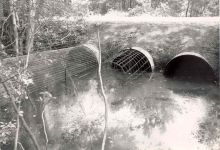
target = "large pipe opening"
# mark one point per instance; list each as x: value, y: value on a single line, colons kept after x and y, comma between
x: 133, y: 61
x: 190, y: 66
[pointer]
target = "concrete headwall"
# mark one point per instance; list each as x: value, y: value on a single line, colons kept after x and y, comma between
x: 162, y: 40
x: 162, y: 37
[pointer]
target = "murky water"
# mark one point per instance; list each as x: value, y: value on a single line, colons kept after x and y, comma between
x: 158, y: 114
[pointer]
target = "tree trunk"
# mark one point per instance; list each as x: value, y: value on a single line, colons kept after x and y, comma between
x: 122, y: 5
x: 14, y: 26
x: 104, y: 8
x: 192, y: 9
x: 130, y: 3
x: 187, y: 9
x: 31, y: 27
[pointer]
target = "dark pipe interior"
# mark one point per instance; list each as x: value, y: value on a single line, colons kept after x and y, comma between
x: 189, y: 67
x: 131, y: 61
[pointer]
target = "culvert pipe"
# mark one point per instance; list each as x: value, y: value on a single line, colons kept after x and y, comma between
x: 77, y: 62
x: 82, y: 59
x: 133, y: 61
x: 190, y: 66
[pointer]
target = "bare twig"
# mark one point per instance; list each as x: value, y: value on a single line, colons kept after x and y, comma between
x: 21, y: 145
x: 4, y: 24
x: 45, y: 99
x: 66, y: 36
x: 17, y: 130
x: 10, y: 77
x: 103, y: 94
x: 11, y: 97
x: 90, y: 138
x: 73, y: 83
x: 27, y: 60
x: 44, y: 127
x: 9, y: 45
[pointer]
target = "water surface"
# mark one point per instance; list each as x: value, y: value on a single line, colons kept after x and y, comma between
x: 160, y: 113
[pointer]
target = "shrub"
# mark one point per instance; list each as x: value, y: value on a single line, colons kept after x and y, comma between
x: 56, y: 34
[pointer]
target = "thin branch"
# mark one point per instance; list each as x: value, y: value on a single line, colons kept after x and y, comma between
x: 66, y: 36
x: 21, y: 117
x: 4, y: 24
x: 9, y: 78
x: 27, y: 59
x: 90, y: 138
x: 44, y: 127
x: 21, y: 146
x: 9, y: 45
x: 72, y: 81
x: 17, y: 130
x: 103, y: 94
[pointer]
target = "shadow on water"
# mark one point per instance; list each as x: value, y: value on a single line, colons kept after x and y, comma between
x: 157, y: 114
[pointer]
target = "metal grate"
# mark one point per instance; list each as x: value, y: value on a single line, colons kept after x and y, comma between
x: 134, y: 62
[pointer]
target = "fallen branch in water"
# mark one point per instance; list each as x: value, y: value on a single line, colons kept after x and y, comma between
x: 103, y: 94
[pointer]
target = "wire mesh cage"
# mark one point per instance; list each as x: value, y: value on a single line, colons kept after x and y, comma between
x: 57, y: 72
x: 54, y: 71
x: 133, y: 61
x: 61, y: 75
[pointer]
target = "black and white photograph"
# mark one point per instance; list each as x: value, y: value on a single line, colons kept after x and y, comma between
x: 109, y: 75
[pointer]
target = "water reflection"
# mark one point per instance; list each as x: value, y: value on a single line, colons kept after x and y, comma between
x: 157, y: 114
x: 148, y: 133
x: 179, y: 132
